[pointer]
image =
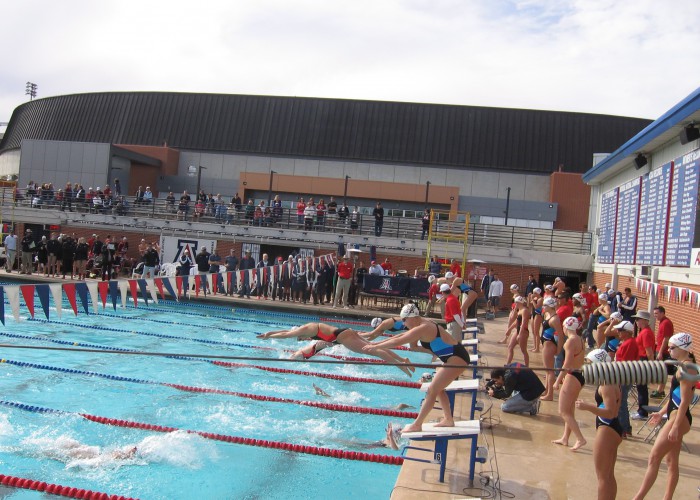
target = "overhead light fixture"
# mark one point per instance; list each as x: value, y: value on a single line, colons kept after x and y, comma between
x: 689, y: 133
x: 640, y: 161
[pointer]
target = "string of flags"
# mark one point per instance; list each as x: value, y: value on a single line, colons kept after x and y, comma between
x: 82, y: 295
x: 669, y: 292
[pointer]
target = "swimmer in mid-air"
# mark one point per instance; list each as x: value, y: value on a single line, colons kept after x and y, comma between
x: 345, y: 336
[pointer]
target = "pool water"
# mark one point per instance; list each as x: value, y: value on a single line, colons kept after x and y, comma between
x: 65, y: 448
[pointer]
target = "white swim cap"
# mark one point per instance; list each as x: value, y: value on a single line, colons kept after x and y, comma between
x: 682, y: 341
x: 445, y: 287
x: 537, y: 290
x: 550, y: 302
x: 603, y: 297
x: 431, y: 278
x: 577, y: 296
x: 514, y: 287
x: 409, y: 311
x: 449, y: 275
x: 376, y: 322
x: 571, y: 323
x: 598, y: 356
x: 616, y: 315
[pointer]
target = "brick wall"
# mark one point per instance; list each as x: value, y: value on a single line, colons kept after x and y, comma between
x: 683, y: 315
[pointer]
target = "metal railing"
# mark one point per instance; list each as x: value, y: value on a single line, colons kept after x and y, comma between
x: 402, y: 228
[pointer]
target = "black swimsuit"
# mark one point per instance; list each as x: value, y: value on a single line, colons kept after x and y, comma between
x: 443, y: 350
x: 675, y: 400
x: 613, y: 423
x: 549, y: 334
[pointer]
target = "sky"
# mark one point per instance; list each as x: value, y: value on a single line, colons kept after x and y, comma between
x: 618, y: 57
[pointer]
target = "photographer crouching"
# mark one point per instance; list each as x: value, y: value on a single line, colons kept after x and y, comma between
x: 519, y: 386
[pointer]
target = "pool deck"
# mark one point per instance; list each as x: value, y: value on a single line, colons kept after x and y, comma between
x: 520, y: 453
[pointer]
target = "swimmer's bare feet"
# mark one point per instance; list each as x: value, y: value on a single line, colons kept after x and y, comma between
x: 547, y: 398
x: 578, y: 444
x: 534, y: 350
x: 410, y: 366
x: 503, y: 341
x: 412, y: 428
x: 561, y: 442
x: 445, y: 423
x: 406, y: 370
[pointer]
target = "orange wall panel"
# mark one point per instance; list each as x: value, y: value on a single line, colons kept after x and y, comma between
x: 573, y: 197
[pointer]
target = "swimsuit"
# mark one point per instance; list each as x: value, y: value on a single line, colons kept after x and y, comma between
x: 675, y: 400
x: 577, y: 375
x: 445, y: 351
x: 549, y: 334
x: 611, y: 344
x: 464, y: 288
x: 398, y: 326
x: 520, y: 324
x: 613, y: 423
x: 333, y: 337
x: 315, y: 350
x: 537, y: 311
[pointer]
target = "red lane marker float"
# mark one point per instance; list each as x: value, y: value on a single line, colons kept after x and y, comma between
x: 56, y: 489
x: 313, y: 404
x: 312, y: 450
x: 395, y: 383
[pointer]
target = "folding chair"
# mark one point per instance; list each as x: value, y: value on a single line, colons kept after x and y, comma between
x: 655, y: 431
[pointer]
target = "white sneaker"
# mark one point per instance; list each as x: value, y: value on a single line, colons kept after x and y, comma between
x: 335, y: 307
x: 637, y: 416
x: 346, y: 307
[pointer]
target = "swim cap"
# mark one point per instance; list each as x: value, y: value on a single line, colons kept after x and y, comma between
x: 514, y: 287
x: 431, y: 278
x: 598, y: 356
x: 449, y: 275
x: 445, y: 287
x: 624, y: 325
x: 520, y: 300
x: 538, y: 291
x: 549, y: 288
x: 616, y: 315
x: 376, y: 322
x: 682, y: 341
x: 409, y: 311
x: 603, y: 297
x: 571, y: 323
x: 550, y: 302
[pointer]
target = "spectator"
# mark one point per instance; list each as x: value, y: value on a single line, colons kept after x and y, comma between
x: 263, y: 278
x: 202, y: 261
x: 343, y: 214
x: 354, y: 219
x: 455, y: 268
x: 332, y: 211
x: 378, y: 214
x: 277, y: 209
x: 309, y: 213
x: 375, y: 269
x: 494, y: 295
x: 519, y: 386
x: 247, y: 262
x: 425, y: 223
x: 10, y: 250
x: 626, y: 351
x: 170, y: 202
x: 321, y: 215
x: 139, y: 196
x: 433, y: 291
x: 118, y: 188
x: 215, y: 269
x: 148, y: 195
x: 301, y: 208
x: 628, y: 305
x: 388, y: 268
x: 237, y: 202
x: 150, y: 260
x: 664, y: 331
x: 531, y: 285
x: 645, y: 347
x: 344, y: 279
x: 486, y: 283
x: 435, y: 267
x: 27, y: 244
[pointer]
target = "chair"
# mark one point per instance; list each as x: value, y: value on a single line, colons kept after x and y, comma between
x: 168, y: 269
x: 137, y: 272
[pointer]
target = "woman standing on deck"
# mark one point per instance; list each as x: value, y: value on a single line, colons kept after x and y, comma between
x: 552, y: 342
x: 608, y: 434
x: 521, y: 322
x: 571, y: 381
x: 677, y: 411
x: 436, y: 340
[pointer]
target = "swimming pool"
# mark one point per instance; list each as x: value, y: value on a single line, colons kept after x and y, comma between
x: 41, y: 444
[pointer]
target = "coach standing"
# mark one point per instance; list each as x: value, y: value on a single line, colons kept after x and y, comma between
x: 344, y: 280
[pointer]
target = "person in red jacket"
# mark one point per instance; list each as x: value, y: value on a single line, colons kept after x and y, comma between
x: 626, y: 351
x: 456, y: 268
x: 344, y: 281
x: 453, y: 312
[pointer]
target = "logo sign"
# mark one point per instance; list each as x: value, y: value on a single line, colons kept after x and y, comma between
x: 173, y: 247
x: 386, y: 285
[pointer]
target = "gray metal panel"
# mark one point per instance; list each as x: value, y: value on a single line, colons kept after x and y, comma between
x: 363, y: 131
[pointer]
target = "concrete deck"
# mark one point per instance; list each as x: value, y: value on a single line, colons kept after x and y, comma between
x: 525, y: 461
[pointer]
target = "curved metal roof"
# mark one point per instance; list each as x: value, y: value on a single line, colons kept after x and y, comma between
x: 429, y: 134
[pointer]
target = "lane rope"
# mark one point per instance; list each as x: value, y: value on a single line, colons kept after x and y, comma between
x: 263, y: 443
x: 57, y: 489
x: 211, y: 390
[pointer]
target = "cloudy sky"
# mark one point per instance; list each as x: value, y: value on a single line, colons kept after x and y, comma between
x: 620, y: 57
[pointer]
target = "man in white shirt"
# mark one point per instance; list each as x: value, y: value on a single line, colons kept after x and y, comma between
x: 376, y: 269
x: 148, y: 195
x: 495, y: 292
x: 10, y: 250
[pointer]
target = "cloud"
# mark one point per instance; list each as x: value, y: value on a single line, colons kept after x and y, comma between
x: 602, y: 56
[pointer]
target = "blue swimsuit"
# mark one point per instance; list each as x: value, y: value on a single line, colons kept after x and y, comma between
x: 443, y: 350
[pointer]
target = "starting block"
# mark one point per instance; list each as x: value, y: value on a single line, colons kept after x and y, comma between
x: 473, y: 343
x: 459, y: 387
x: 469, y: 429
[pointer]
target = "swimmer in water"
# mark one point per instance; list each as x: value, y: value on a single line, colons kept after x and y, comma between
x: 70, y: 449
x: 345, y: 336
x: 321, y: 392
x: 390, y: 440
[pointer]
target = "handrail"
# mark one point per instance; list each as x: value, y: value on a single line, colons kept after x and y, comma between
x: 489, y: 235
